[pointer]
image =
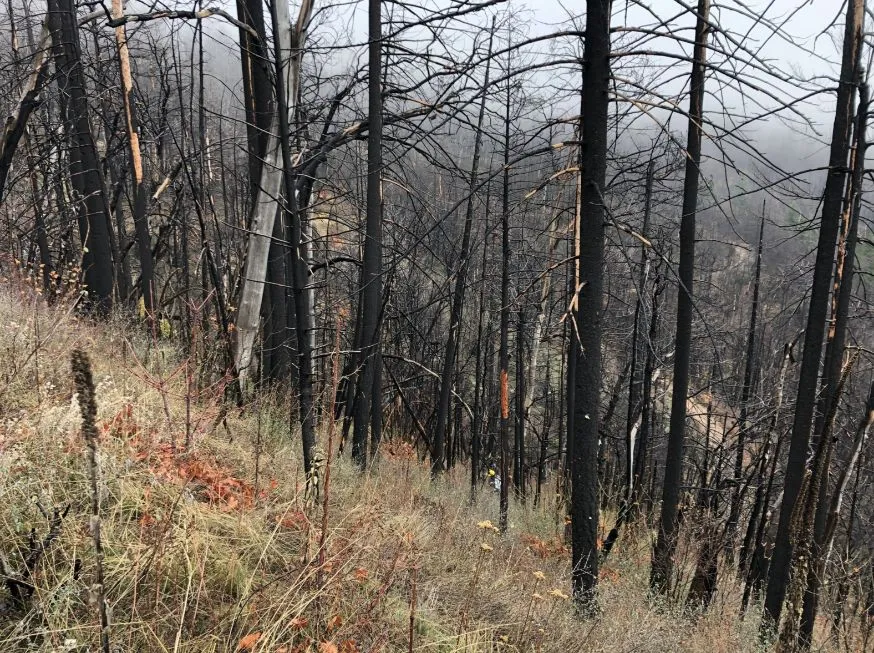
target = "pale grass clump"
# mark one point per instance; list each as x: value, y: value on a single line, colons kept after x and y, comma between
x: 199, y: 557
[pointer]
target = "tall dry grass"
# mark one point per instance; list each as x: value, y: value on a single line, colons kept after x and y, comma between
x: 200, y: 555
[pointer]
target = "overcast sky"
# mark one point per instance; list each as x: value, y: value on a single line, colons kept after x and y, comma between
x: 796, y: 38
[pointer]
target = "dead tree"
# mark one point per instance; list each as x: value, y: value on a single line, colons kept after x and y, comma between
x: 663, y: 554
x: 588, y: 313
x: 817, y: 312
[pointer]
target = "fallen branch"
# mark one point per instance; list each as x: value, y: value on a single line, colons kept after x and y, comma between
x: 18, y: 583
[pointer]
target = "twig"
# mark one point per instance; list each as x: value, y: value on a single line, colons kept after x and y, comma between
x: 335, y: 382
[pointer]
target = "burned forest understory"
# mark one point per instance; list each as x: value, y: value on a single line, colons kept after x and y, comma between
x: 470, y: 325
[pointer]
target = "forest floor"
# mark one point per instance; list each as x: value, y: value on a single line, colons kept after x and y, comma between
x: 216, y: 548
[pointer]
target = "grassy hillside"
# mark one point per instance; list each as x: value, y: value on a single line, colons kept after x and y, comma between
x: 217, y: 549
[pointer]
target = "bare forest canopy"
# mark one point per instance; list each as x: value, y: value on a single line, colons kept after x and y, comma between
x: 617, y: 253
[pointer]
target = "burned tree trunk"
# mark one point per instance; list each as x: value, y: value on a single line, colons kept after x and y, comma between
x: 588, y: 313
x: 85, y: 173
x: 778, y: 579
x: 841, y: 298
x: 504, y: 344
x: 369, y: 392
x: 663, y: 554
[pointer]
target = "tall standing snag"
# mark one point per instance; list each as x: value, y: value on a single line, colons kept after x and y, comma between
x: 588, y: 311
x: 84, y: 383
x: 663, y: 555
x: 287, y: 70
x: 368, y: 405
x: 85, y: 172
x: 808, y: 379
x: 834, y: 353
x: 746, y: 393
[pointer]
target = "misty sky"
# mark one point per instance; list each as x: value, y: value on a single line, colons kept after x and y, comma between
x: 798, y: 39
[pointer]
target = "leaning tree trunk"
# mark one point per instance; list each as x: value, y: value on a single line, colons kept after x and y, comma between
x: 663, y: 554
x: 862, y: 431
x: 642, y: 442
x: 85, y: 173
x: 268, y: 189
x: 457, y: 309
x: 837, y: 336
x: 16, y: 123
x: 778, y: 578
x: 519, y: 400
x: 754, y: 543
x: 258, y: 103
x: 801, y: 535
x: 589, y: 310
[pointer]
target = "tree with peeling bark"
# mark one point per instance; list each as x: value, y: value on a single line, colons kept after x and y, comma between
x: 138, y: 179
x: 290, y: 41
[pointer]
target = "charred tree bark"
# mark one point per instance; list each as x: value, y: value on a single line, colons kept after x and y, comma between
x: 16, y: 124
x: 836, y: 339
x: 286, y: 47
x: 519, y: 396
x: 663, y: 554
x: 257, y: 85
x: 140, y: 194
x: 817, y: 313
x: 635, y: 383
x: 862, y: 432
x: 588, y: 314
x: 369, y: 392
x: 85, y: 173
x: 259, y: 108
x: 802, y: 534
x: 754, y: 544
x: 482, y: 371
x: 642, y: 443
x: 504, y: 345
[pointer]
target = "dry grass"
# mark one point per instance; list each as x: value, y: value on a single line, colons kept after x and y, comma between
x: 202, y: 557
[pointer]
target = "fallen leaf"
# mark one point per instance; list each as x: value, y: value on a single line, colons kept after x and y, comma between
x: 248, y: 642
x: 335, y: 622
x: 328, y: 647
x: 298, y: 623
